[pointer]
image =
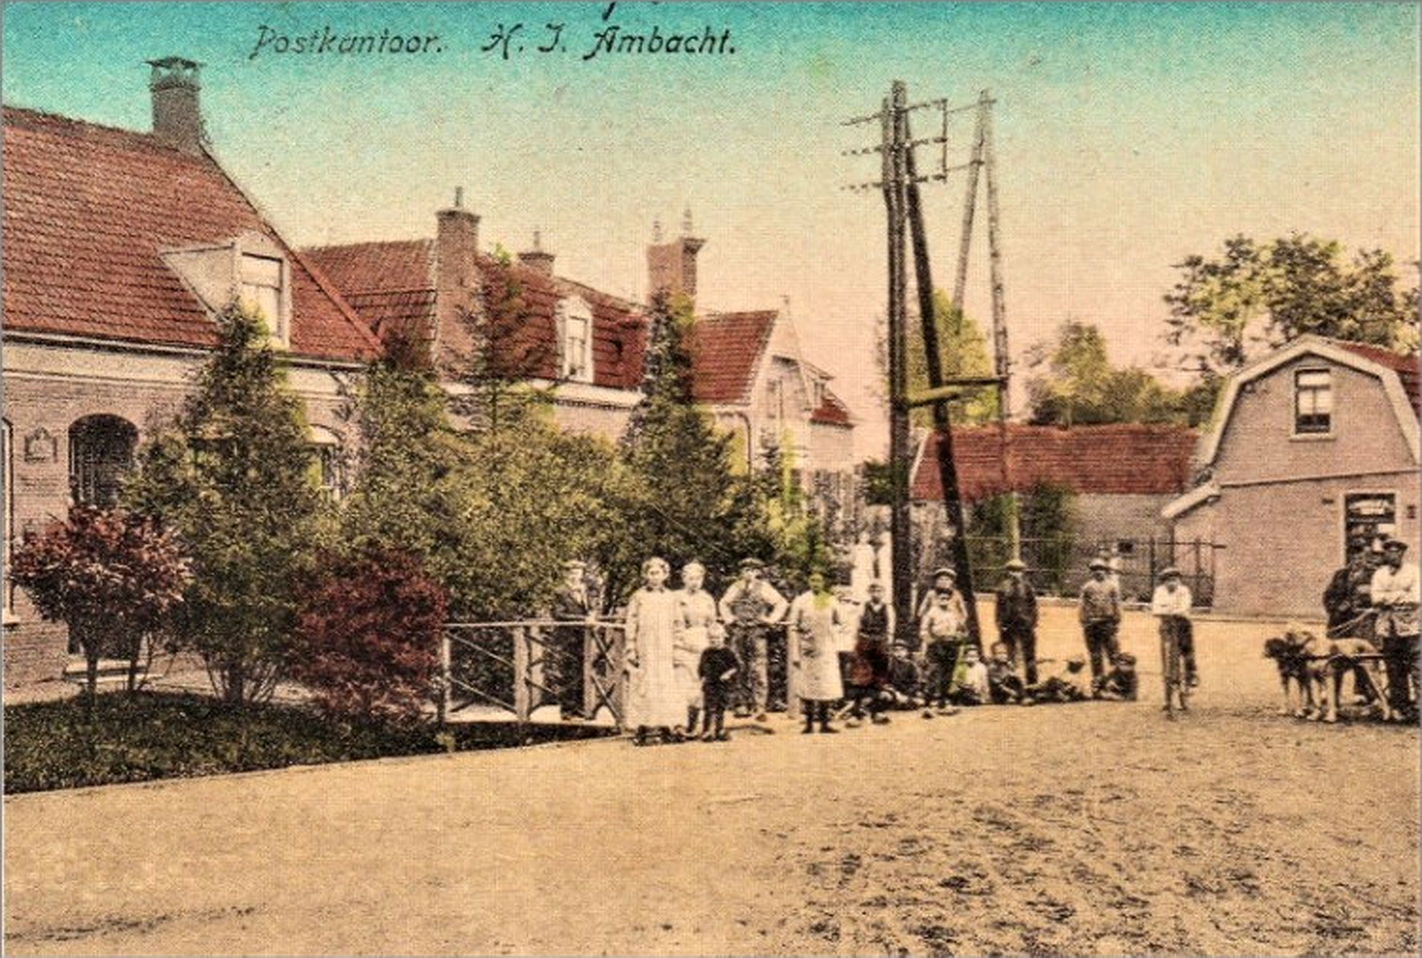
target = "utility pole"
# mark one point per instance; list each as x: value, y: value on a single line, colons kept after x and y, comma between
x: 899, y: 183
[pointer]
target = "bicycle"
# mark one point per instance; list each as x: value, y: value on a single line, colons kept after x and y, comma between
x: 1172, y: 661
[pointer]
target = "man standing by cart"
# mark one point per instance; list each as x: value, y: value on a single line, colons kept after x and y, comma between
x: 1395, y: 596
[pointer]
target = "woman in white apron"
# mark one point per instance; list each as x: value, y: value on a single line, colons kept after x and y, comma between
x: 696, y: 613
x: 654, y: 703
x: 814, y: 652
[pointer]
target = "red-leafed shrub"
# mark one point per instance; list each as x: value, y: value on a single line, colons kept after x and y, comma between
x: 114, y: 577
x: 370, y: 637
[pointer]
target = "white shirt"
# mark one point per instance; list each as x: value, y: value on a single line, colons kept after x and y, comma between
x: 1395, y: 588
x: 1166, y: 602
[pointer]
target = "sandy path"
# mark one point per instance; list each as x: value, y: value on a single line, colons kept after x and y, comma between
x: 1087, y: 829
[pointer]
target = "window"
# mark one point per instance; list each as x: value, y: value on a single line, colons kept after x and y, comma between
x: 1313, y: 402
x: 1368, y: 515
x: 329, y: 461
x: 262, y: 288
x: 100, y: 455
x: 575, y: 330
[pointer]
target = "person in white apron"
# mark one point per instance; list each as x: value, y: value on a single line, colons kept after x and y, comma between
x: 654, y: 702
x: 814, y: 652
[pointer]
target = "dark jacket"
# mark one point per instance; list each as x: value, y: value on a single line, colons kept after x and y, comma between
x: 1016, y: 605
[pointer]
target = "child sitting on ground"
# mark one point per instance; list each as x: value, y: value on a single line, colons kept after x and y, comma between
x: 1062, y: 687
x: 1003, y: 682
x: 973, y: 687
x: 717, y: 670
x: 1120, y: 684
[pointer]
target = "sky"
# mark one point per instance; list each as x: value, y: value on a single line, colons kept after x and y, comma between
x: 1127, y: 136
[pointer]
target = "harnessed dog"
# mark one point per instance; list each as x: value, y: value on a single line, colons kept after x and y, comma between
x: 1316, y: 666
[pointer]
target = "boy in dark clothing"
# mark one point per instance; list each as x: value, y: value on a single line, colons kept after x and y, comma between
x: 1120, y: 684
x: 717, y: 670
x: 1003, y: 683
x: 868, y: 677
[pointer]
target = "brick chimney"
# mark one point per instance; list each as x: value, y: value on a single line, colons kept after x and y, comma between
x: 457, y: 281
x: 672, y: 266
x: 177, y: 120
x: 537, y: 258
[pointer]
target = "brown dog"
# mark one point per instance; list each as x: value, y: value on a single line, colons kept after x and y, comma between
x: 1325, y: 661
x: 1288, y: 655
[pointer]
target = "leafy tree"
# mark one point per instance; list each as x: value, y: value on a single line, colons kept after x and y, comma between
x: 370, y: 637
x: 1079, y: 386
x: 681, y: 497
x: 1274, y: 292
x: 964, y: 351
x: 1048, y: 527
x: 112, y: 577
x: 234, y: 480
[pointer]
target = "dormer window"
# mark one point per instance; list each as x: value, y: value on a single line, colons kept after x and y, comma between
x: 1313, y: 402
x: 575, y: 329
x: 261, y: 287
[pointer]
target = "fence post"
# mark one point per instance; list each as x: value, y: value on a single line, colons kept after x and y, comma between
x: 445, y: 656
x: 1150, y: 583
x: 521, y: 690
x: 1196, y: 591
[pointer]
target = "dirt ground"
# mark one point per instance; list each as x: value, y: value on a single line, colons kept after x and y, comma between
x: 1094, y: 829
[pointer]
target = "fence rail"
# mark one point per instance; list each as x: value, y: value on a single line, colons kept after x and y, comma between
x: 518, y: 666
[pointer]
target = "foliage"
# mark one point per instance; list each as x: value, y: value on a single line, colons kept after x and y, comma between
x: 1079, y: 386
x: 148, y: 736
x: 1274, y: 292
x: 370, y: 637
x: 113, y: 577
x: 878, y: 483
x: 234, y: 480
x: 964, y: 351
x: 1048, y: 528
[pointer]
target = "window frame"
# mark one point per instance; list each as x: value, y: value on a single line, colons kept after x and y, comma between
x: 1314, y: 391
x: 76, y: 463
x: 575, y: 368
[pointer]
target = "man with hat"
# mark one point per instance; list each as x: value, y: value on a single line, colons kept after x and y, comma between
x: 564, y: 668
x: 1348, y: 603
x: 750, y: 606
x: 1100, y: 613
x: 1171, y: 604
x: 1017, y: 617
x: 1395, y: 594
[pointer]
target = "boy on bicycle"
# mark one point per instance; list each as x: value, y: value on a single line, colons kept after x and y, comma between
x: 1171, y: 605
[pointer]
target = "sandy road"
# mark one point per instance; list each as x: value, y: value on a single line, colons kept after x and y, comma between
x: 1086, y: 829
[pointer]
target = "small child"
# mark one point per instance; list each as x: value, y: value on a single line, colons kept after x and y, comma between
x: 1120, y: 684
x: 1003, y: 683
x: 973, y: 688
x: 717, y: 670
x: 940, y: 635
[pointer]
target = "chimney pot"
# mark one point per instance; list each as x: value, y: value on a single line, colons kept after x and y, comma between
x: 537, y: 258
x: 177, y: 118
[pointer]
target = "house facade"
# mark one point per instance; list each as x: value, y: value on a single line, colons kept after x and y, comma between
x: 1118, y: 477
x: 547, y: 330
x: 1311, y: 446
x: 119, y: 249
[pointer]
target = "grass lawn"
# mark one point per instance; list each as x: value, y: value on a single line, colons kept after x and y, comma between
x: 59, y: 744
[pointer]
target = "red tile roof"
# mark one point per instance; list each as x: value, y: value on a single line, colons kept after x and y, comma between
x: 87, y: 209
x: 1406, y: 368
x: 1126, y: 459
x: 392, y: 283
x: 725, y: 348
x: 832, y: 411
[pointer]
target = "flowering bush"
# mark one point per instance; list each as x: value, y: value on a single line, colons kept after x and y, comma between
x: 112, y: 576
x: 370, y: 637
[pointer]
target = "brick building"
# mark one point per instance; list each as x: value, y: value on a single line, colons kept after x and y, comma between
x: 1312, y: 445
x: 119, y: 248
x: 1119, y: 477
x: 560, y: 333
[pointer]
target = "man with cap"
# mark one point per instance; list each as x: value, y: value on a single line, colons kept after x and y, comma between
x: 750, y: 606
x: 1171, y: 604
x: 563, y: 668
x: 1017, y: 617
x: 1348, y: 603
x: 1395, y: 594
x: 1100, y: 613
